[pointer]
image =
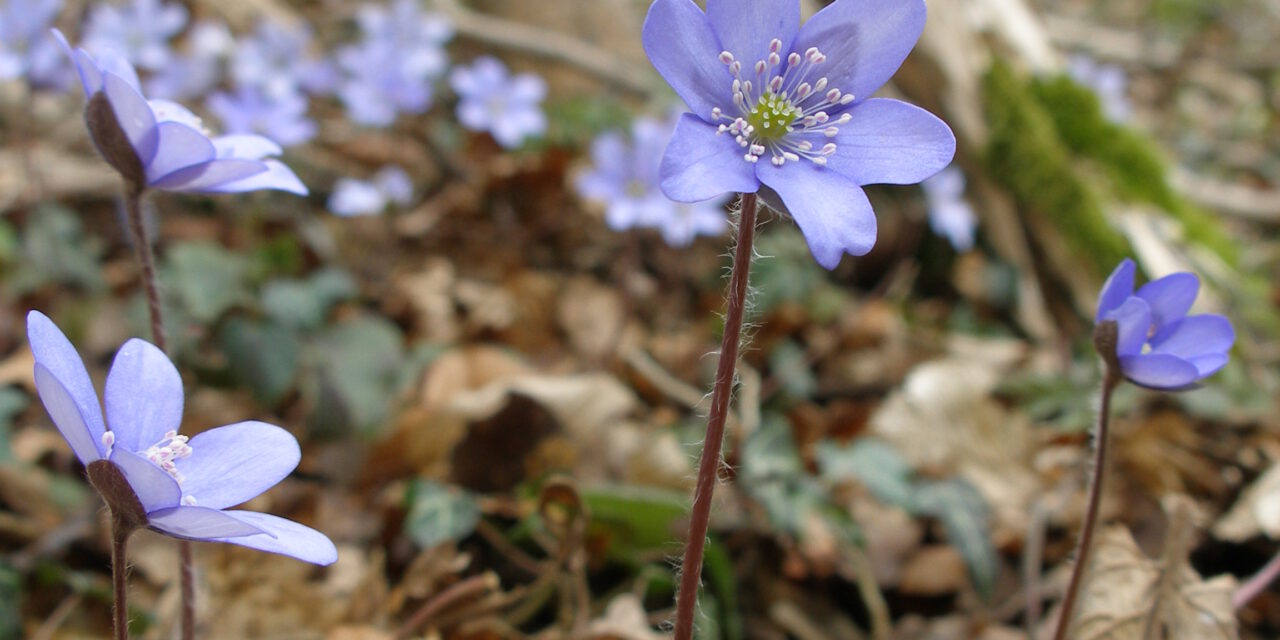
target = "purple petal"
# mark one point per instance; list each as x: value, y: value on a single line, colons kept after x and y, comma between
x: 833, y: 212
x: 143, y: 396
x: 290, y: 538
x: 201, y: 523
x: 701, y: 164
x: 86, y: 68
x: 156, y: 489
x: 1117, y: 289
x: 680, y: 44
x: 865, y: 41
x: 247, y: 146
x: 66, y: 415
x: 891, y: 142
x: 745, y: 27
x: 1133, y: 324
x: 207, y: 176
x: 134, y: 115
x: 1170, y: 297
x: 232, y: 464
x: 277, y: 176
x: 1209, y: 364
x: 180, y: 147
x: 1159, y: 371
x: 1195, y: 336
x: 54, y: 352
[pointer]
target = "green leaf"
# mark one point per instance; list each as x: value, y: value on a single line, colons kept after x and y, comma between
x: 964, y: 515
x: 54, y: 249
x: 789, y: 363
x: 303, y: 304
x: 12, y: 402
x: 636, y: 518
x: 262, y: 356
x: 206, y: 279
x: 10, y: 602
x: 784, y: 273
x: 874, y: 463
x: 358, y: 362
x: 439, y: 513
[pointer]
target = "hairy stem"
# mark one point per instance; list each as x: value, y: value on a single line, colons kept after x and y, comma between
x: 120, y: 577
x: 709, y: 464
x: 150, y: 284
x: 1111, y: 377
x: 1256, y: 584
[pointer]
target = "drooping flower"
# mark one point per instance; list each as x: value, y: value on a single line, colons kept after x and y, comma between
x: 1108, y: 82
x: 391, y: 70
x: 160, y: 144
x: 282, y: 118
x: 185, y: 487
x: 789, y: 109
x: 1157, y: 344
x: 139, y: 32
x: 26, y: 48
x: 492, y: 100
x: 352, y: 197
x: 198, y: 69
x: 624, y: 176
x: 950, y: 215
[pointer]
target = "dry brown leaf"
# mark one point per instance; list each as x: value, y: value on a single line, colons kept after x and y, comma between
x: 624, y: 619
x: 591, y: 315
x: 933, y: 571
x: 1257, y: 510
x: 1122, y: 587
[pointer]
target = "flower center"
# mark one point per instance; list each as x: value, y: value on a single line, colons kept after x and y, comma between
x: 779, y: 110
x: 171, y: 447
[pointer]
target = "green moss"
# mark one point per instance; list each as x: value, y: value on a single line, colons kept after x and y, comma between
x: 1029, y: 158
x: 1131, y: 163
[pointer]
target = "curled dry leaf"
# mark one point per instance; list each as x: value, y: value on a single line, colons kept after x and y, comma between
x: 1257, y: 510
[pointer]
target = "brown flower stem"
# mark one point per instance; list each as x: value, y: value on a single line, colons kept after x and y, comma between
x: 1255, y: 585
x: 709, y: 464
x: 146, y: 261
x: 1104, y: 339
x: 120, y: 577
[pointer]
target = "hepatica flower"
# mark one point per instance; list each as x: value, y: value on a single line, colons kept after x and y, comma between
x: 1108, y: 82
x: 950, y: 215
x: 248, y: 110
x: 160, y: 144
x: 1157, y: 344
x: 183, y: 487
x: 492, y: 100
x: 139, y: 32
x: 352, y: 197
x: 26, y: 48
x: 789, y: 109
x: 393, y: 67
x: 624, y: 177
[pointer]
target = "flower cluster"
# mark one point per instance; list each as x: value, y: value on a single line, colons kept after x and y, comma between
x: 160, y: 144
x: 353, y: 197
x: 26, y: 48
x: 1157, y: 344
x: 624, y: 176
x: 787, y: 111
x: 185, y: 487
x: 391, y: 70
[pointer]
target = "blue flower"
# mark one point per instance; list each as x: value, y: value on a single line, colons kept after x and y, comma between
x: 26, y: 49
x: 185, y: 487
x: 492, y: 100
x: 624, y: 176
x: 139, y: 32
x: 1107, y: 81
x: 281, y: 118
x: 277, y: 61
x: 950, y: 215
x: 353, y: 197
x: 160, y: 144
x: 193, y: 73
x: 1157, y: 344
x: 391, y: 71
x: 761, y: 87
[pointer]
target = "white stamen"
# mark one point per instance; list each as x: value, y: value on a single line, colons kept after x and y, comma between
x: 108, y: 441
x: 171, y: 447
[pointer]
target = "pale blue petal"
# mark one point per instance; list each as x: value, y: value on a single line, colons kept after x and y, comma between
x: 134, y: 115
x: 1170, y: 297
x: 278, y: 176
x: 1133, y: 324
x: 865, y: 41
x: 1159, y: 371
x: 180, y: 147
x: 1195, y: 336
x: 155, y: 488
x: 700, y: 164
x: 207, y: 176
x: 285, y: 537
x: 1209, y: 364
x: 200, y: 523
x: 890, y: 142
x: 232, y: 464
x: 833, y: 212
x: 745, y: 27
x: 680, y: 44
x: 143, y: 396
x: 247, y: 146
x: 54, y: 352
x: 66, y: 415
x: 1117, y: 289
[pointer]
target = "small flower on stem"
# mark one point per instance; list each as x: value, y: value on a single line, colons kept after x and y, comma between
x: 178, y: 486
x: 786, y: 110
x: 160, y: 144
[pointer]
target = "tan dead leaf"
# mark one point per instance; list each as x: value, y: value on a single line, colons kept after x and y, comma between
x: 359, y: 633
x: 487, y: 306
x: 1257, y: 510
x: 1123, y: 587
x: 17, y: 369
x: 624, y: 619
x: 933, y: 571
x: 429, y: 292
x: 592, y: 317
